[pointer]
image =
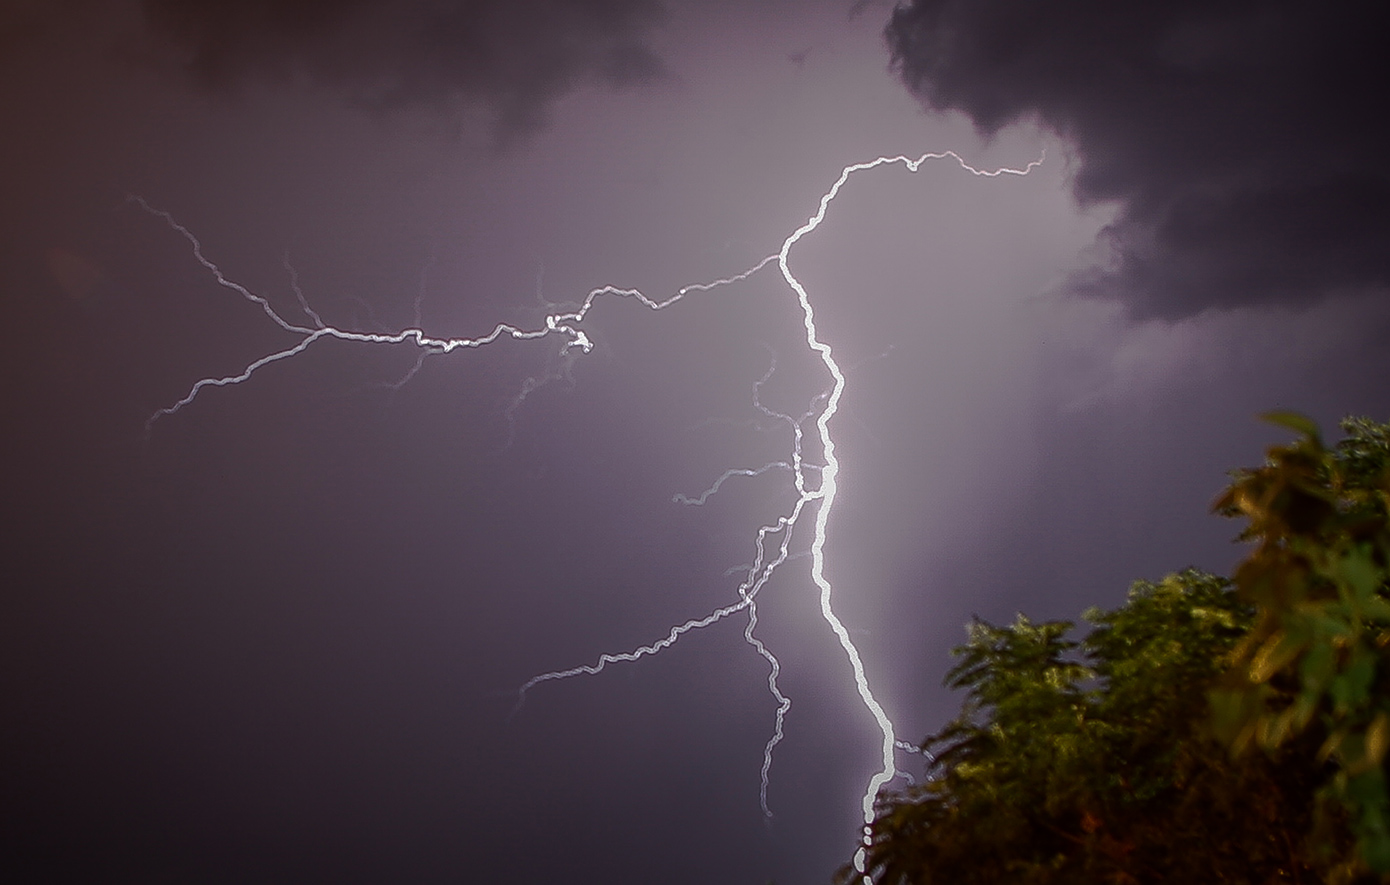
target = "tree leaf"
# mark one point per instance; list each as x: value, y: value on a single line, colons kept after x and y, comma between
x: 1276, y: 653
x: 1295, y: 421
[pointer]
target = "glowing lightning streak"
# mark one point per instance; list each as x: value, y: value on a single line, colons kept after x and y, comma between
x: 563, y: 324
x: 725, y: 477
x: 760, y: 572
x: 757, y: 576
x: 830, y: 473
x: 825, y: 493
x: 294, y: 282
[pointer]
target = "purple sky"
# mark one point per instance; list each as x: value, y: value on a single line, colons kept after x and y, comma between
x: 279, y: 637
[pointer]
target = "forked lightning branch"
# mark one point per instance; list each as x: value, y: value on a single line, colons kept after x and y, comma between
x: 815, y: 483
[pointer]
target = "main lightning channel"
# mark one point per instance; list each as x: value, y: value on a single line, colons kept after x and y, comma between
x: 829, y: 485
x: 824, y: 494
x: 818, y: 495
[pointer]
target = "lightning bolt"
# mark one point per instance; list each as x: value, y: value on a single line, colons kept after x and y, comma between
x: 816, y: 485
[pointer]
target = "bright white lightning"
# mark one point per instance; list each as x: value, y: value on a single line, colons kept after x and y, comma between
x: 830, y: 473
x: 565, y: 324
x: 727, y: 475
x: 819, y: 495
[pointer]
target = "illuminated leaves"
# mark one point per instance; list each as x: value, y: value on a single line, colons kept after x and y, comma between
x: 1090, y: 761
x: 1108, y: 759
x: 1316, y: 661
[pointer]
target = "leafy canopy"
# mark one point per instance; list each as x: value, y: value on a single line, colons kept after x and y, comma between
x: 1087, y: 761
x: 1206, y: 730
x: 1316, y: 660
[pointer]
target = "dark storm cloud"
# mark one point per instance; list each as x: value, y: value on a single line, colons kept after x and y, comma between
x: 517, y: 56
x: 1245, y: 141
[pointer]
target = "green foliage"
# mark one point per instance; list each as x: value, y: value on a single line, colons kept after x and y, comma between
x: 1089, y: 761
x: 1109, y: 758
x: 1316, y: 660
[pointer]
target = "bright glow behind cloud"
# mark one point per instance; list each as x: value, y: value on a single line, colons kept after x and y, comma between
x: 816, y: 484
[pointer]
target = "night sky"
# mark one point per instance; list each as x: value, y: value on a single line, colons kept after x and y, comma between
x: 278, y: 634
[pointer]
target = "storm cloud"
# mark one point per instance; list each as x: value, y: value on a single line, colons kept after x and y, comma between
x: 1242, y: 142
x: 516, y: 57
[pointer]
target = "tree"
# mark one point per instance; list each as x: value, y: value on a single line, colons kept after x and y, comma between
x: 1089, y: 761
x: 1316, y: 660
x: 1204, y: 731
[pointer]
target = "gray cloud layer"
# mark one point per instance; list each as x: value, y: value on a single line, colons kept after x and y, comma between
x: 1246, y: 141
x: 516, y: 56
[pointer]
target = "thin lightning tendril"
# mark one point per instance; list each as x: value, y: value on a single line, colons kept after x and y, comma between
x: 563, y: 324
x: 294, y: 282
x: 725, y: 477
x: 816, y: 494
